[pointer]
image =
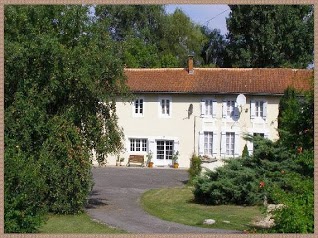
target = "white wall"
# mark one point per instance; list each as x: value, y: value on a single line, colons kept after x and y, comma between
x: 181, y: 129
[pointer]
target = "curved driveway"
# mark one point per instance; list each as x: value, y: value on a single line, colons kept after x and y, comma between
x: 116, y: 195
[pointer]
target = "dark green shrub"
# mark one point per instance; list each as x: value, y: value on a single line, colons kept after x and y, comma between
x: 195, y: 168
x: 297, y: 215
x: 24, y: 192
x: 230, y: 184
x: 245, y: 152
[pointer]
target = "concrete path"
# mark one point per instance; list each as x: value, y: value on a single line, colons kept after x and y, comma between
x: 116, y: 195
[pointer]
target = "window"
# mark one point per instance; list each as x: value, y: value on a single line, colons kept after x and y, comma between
x: 259, y: 134
x: 165, y: 107
x: 258, y: 109
x: 208, y: 107
x: 139, y: 107
x: 230, y: 110
x: 230, y: 105
x: 230, y: 143
x: 138, y: 145
x: 164, y: 149
x: 208, y: 143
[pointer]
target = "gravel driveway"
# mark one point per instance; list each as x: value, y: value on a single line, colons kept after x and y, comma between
x: 116, y: 195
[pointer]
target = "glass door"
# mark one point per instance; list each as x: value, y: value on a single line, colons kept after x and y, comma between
x: 164, y: 152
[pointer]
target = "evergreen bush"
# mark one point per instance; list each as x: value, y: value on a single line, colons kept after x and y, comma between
x: 195, y: 168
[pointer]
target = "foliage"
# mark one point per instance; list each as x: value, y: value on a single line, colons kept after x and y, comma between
x: 297, y: 214
x: 195, y: 168
x: 270, y: 36
x: 230, y: 184
x: 214, y: 51
x: 149, y: 37
x: 60, y: 65
x: 245, y: 152
x: 296, y: 120
x: 24, y: 189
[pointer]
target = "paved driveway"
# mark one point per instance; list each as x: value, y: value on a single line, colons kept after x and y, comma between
x: 116, y: 195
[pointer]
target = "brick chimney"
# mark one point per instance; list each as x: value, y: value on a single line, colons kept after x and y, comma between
x: 190, y: 64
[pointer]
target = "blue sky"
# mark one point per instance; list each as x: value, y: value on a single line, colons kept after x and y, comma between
x: 212, y: 15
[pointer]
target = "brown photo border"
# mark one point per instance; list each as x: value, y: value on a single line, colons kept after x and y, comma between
x: 25, y: 2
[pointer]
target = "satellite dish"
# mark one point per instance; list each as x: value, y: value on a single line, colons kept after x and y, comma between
x: 190, y: 110
x: 241, y: 100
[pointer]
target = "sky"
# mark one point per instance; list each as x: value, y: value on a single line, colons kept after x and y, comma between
x: 212, y: 15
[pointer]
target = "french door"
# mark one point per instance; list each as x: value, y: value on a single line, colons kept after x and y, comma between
x: 164, y: 152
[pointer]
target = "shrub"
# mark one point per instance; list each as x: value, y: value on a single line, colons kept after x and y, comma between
x: 297, y: 215
x: 230, y: 184
x: 24, y: 192
x: 195, y: 168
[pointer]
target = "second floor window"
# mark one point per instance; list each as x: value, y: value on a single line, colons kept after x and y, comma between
x: 258, y: 109
x: 165, y: 107
x: 208, y: 107
x: 139, y: 107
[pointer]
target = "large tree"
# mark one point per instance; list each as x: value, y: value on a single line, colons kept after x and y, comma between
x: 270, y: 36
x: 149, y: 37
x: 62, y: 76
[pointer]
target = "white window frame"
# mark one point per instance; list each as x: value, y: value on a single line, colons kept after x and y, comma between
x: 230, y: 144
x: 224, y: 146
x: 142, y: 143
x: 230, y: 110
x: 140, y: 110
x: 208, y: 143
x: 258, y: 111
x: 208, y: 107
x: 166, y: 111
x: 165, y: 155
x: 215, y: 143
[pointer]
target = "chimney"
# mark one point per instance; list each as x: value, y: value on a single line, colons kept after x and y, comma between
x: 190, y: 64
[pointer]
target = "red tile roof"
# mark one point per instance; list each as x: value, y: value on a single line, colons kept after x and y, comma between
x: 218, y: 80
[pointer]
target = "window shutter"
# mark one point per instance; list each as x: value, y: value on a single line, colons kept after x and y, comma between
x: 215, y: 144
x: 152, y: 147
x: 176, y: 146
x: 249, y: 147
x: 265, y: 110
x: 223, y: 143
x: 237, y: 146
x: 202, y: 107
x: 201, y: 143
x: 252, y: 109
x: 224, y: 109
x: 214, y: 108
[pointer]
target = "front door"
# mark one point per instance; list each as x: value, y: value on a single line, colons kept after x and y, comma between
x: 164, y: 152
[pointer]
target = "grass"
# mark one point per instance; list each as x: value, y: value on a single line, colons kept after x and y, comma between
x: 176, y: 204
x: 80, y: 224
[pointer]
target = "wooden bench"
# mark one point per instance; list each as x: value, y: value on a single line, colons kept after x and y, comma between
x: 136, y: 159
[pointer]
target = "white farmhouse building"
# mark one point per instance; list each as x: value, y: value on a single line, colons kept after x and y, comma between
x: 194, y: 110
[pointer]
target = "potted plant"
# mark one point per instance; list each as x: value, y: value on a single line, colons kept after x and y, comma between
x: 149, y: 158
x: 174, y: 159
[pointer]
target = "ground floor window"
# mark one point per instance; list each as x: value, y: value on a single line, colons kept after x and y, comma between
x: 259, y: 134
x: 138, y: 145
x: 230, y: 143
x: 208, y: 143
x: 165, y: 149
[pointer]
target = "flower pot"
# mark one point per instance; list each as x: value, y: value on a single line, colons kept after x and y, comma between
x: 117, y: 163
x: 175, y: 165
x: 150, y: 164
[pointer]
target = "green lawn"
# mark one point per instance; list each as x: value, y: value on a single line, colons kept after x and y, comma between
x: 175, y: 204
x: 80, y: 224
